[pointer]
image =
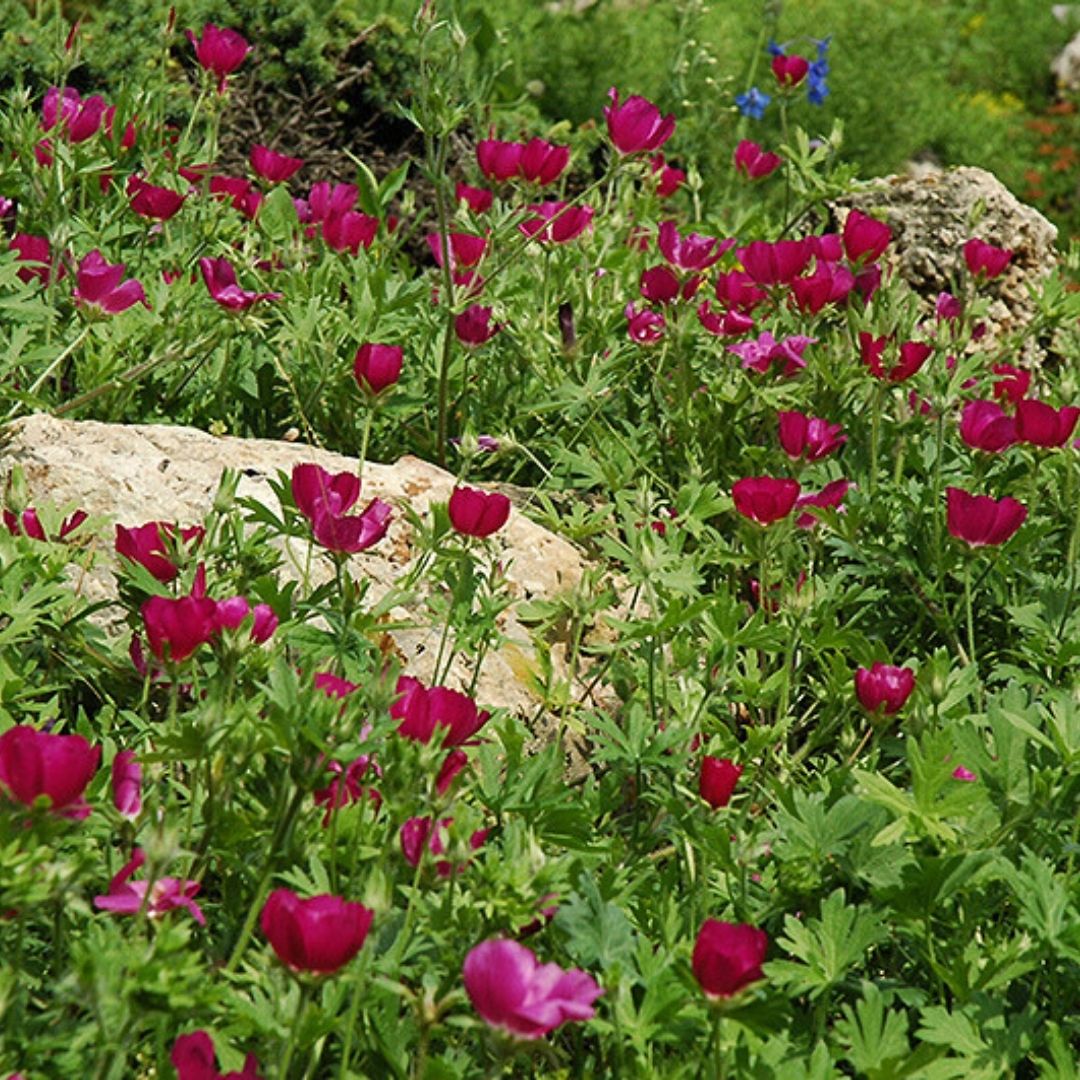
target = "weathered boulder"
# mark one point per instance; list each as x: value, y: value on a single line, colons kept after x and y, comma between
x: 133, y: 474
x: 1065, y: 67
x: 933, y: 215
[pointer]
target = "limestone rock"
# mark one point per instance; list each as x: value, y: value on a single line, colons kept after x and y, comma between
x: 932, y: 216
x: 1065, y: 67
x: 133, y: 474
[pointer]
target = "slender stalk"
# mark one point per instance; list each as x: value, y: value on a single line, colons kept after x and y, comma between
x: 290, y: 1046
x: 44, y: 377
x: 365, y: 438
x: 972, y: 656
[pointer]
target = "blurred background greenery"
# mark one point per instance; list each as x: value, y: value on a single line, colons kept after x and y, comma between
x: 936, y: 81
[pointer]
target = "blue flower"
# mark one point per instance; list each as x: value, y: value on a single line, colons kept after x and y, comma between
x: 752, y: 103
x: 774, y: 49
x: 816, y: 89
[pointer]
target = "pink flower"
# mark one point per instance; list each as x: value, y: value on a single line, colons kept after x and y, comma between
x: 127, y: 784
x: 478, y: 200
x: 728, y: 957
x: 272, y: 166
x: 512, y: 991
x: 333, y: 685
x: 984, y: 261
x: 668, y: 178
x: 464, y: 249
x: 314, y: 488
x: 350, y: 534
x: 913, y: 355
x: 636, y: 125
x: 154, y: 545
x: 498, y: 160
x: 452, y: 764
x: 557, y: 222
x: 150, y: 201
x: 240, y: 193
x: 730, y: 324
x: 346, y: 789
x: 220, y: 51
x: 80, y: 118
x: 326, y: 200
x: 1042, y: 425
x: 176, y: 628
x: 419, y: 833
x: 808, y: 436
x: 320, y: 934
x: 474, y: 327
x: 193, y: 1058
x: 1014, y: 384
x: 717, y: 780
x: 865, y: 239
x: 377, y: 367
x: 350, y: 231
x: 830, y: 283
x: 829, y: 497
x: 29, y: 524
x: 985, y: 426
x: 35, y: 763
x: 221, y: 283
x: 884, y: 687
x: 542, y: 162
x: 690, y: 252
x: 765, y: 499
x: 35, y: 252
x: 737, y: 291
x: 790, y: 70
x: 478, y: 513
x: 126, y: 897
x: 947, y: 308
x: 777, y: 263
x: 421, y: 710
x: 761, y: 354
x: 754, y: 162
x: 99, y: 284
x: 230, y: 615
x: 644, y: 326
x: 981, y: 521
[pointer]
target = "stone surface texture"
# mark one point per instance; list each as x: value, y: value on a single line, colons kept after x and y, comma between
x: 1065, y: 67
x: 130, y: 475
x: 932, y: 216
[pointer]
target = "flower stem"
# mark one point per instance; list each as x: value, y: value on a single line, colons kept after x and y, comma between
x: 290, y: 1046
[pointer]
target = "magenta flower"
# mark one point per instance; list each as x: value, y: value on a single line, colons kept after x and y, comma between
x: 966, y: 775
x: 790, y: 70
x: 635, y: 125
x: 126, y: 897
x: 644, y: 326
x: 100, y: 285
x: 350, y: 534
x: 452, y: 764
x: 221, y: 283
x: 512, y: 991
x: 35, y: 763
x: 761, y: 354
x: 320, y: 934
x: 350, y: 231
x: 947, y: 308
x: 314, y: 488
x: 829, y: 497
x: 151, y: 201
x: 498, y: 160
x: 478, y: 513
x: 1042, y: 425
x: 728, y: 957
x: 474, y: 327
x: 421, y: 710
x: 1014, y: 384
x: 29, y: 524
x: 777, y: 263
x: 153, y: 545
x: 176, y: 628
x: 668, y: 178
x: 865, y: 239
x: 346, y: 789
x: 542, y: 162
x: 730, y: 324
x: 830, y: 283
x: 35, y: 253
x: 326, y: 200
x: 765, y: 499
x: 884, y: 687
x: 273, y: 166
x: 377, y: 367
x: 913, y: 355
x: 984, y: 261
x: 220, y: 51
x: 127, y: 784
x: 659, y: 285
x: 80, y: 118
x: 690, y: 252
x: 754, y: 162
x: 478, y: 200
x: 240, y: 193
x: 193, y: 1058
x: 230, y: 615
x: 419, y: 833
x: 464, y: 249
x: 557, y: 222
x: 985, y: 426
x: 737, y: 291
x: 809, y: 437
x: 717, y: 780
x: 981, y: 521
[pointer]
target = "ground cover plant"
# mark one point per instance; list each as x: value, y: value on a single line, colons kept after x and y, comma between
x: 823, y: 673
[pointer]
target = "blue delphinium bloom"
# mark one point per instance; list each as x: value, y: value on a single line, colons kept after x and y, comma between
x: 774, y: 49
x: 816, y: 89
x: 752, y: 103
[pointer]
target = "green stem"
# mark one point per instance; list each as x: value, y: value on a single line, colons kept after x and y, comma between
x: 354, y: 1012
x: 972, y: 656
x: 290, y: 1046
x: 365, y: 438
